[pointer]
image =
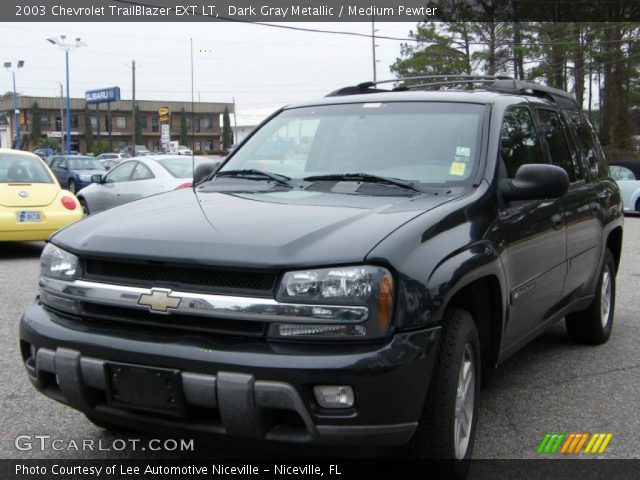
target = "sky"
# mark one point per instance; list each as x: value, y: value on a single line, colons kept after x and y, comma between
x: 263, y: 68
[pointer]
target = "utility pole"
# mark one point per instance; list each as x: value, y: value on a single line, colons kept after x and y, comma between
x: 61, y: 119
x: 133, y: 104
x: 373, y: 45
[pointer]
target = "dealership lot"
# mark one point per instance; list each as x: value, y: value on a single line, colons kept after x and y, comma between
x: 552, y: 385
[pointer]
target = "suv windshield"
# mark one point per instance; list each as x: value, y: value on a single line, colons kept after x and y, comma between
x: 425, y: 142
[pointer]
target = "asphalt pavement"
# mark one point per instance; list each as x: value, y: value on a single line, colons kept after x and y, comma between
x: 552, y: 385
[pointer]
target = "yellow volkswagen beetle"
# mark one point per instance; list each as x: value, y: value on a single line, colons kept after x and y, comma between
x: 32, y: 204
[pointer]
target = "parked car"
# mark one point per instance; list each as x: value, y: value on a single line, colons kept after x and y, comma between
x: 32, y: 204
x: 44, y: 152
x: 355, y: 292
x: 183, y: 150
x: 138, y: 151
x: 627, y: 175
x: 74, y: 171
x: 136, y: 178
x: 113, y: 156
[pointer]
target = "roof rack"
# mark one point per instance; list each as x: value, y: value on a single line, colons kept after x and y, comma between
x: 525, y: 87
x: 497, y: 83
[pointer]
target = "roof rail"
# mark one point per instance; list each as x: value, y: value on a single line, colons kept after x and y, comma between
x: 525, y: 87
x: 451, y: 79
x: 498, y: 83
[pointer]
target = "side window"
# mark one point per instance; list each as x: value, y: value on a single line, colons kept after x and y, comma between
x: 590, y: 147
x: 141, y: 172
x: 121, y: 173
x: 519, y: 143
x: 561, y: 154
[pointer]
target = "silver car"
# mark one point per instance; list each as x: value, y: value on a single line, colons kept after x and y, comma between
x: 136, y: 178
x: 627, y: 176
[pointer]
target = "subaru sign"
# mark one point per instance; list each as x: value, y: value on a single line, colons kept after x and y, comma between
x: 102, y: 95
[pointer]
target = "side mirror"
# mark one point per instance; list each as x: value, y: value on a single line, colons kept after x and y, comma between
x: 535, y: 182
x: 204, y: 170
x: 97, y: 178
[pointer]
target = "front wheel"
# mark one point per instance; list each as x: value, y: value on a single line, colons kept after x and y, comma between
x: 447, y: 425
x: 593, y: 325
x: 73, y: 188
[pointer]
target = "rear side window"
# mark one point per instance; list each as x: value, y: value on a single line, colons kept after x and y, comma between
x: 561, y: 154
x: 519, y: 142
x: 141, y: 172
x: 590, y: 146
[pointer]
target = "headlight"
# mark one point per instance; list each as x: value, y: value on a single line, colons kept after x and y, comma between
x: 85, y: 178
x: 364, y: 285
x: 56, y: 263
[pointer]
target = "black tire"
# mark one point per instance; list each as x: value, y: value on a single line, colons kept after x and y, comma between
x: 435, y: 436
x: 111, y: 427
x: 638, y: 206
x: 85, y: 208
x: 73, y: 188
x: 593, y: 325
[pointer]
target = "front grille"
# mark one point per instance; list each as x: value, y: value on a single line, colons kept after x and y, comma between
x: 194, y: 278
x: 138, y: 317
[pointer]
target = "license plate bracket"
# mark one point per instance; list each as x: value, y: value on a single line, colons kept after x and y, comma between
x: 149, y: 389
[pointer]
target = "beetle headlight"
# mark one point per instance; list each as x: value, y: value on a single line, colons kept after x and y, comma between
x: 364, y: 285
x: 56, y: 263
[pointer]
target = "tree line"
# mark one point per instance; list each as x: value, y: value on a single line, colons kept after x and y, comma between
x: 598, y: 62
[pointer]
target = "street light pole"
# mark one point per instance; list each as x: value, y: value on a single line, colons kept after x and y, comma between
x: 68, y: 144
x: 67, y: 47
x: 16, y: 112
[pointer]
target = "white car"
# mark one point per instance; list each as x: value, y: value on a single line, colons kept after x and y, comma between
x: 183, y: 150
x: 627, y: 176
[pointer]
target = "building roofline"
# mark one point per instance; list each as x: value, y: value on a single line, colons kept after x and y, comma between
x: 25, y: 102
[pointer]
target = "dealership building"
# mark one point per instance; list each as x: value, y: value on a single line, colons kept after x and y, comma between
x: 203, y: 138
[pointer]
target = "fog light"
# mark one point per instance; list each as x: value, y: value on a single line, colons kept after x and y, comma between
x: 334, y: 396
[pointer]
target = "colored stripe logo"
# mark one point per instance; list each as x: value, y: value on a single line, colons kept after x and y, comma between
x: 574, y: 443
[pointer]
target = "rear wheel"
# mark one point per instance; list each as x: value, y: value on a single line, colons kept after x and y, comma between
x: 447, y: 425
x: 638, y: 206
x: 73, y: 188
x: 593, y: 325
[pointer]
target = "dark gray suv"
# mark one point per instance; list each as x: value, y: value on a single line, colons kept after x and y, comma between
x: 352, y: 274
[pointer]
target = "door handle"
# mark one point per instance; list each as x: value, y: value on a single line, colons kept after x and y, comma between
x: 556, y: 221
x: 594, y: 207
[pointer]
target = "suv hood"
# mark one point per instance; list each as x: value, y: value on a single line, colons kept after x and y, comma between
x: 269, y: 230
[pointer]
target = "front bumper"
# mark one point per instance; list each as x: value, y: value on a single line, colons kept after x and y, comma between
x: 248, y: 388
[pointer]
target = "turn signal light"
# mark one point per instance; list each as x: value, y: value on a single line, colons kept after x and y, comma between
x: 184, y: 185
x: 69, y: 203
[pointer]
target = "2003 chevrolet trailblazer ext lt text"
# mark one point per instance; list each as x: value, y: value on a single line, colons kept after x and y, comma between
x: 351, y: 275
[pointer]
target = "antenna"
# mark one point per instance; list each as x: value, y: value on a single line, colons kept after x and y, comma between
x: 193, y: 137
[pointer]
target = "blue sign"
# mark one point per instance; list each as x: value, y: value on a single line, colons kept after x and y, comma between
x: 102, y: 95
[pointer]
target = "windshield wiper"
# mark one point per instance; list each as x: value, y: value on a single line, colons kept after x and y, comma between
x: 254, y: 174
x: 364, y: 177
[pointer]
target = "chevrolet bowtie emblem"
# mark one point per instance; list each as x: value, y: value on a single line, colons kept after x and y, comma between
x: 159, y: 300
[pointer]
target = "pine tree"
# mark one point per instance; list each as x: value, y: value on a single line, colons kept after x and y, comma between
x: 36, y: 125
x: 227, y: 134
x: 184, y: 136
